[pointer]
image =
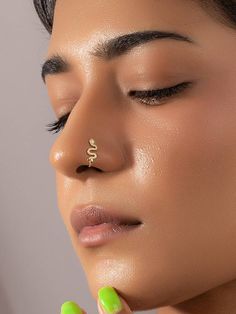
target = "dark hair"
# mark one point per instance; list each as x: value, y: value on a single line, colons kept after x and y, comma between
x: 224, y: 10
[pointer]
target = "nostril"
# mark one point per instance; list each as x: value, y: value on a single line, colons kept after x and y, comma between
x: 99, y: 170
x: 84, y: 167
x: 81, y: 168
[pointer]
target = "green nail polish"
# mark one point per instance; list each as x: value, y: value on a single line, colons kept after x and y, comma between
x: 110, y: 300
x: 70, y: 307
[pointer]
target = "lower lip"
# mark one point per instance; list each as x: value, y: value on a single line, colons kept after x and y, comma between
x: 99, y: 234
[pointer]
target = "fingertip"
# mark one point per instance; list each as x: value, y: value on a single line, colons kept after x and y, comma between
x: 70, y: 307
x: 124, y: 308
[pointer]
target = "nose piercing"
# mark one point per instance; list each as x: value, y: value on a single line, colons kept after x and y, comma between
x: 92, y: 155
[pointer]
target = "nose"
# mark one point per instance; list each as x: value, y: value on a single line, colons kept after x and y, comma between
x: 96, y: 116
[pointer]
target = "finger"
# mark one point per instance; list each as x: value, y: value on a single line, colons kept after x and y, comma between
x: 70, y: 307
x: 109, y: 302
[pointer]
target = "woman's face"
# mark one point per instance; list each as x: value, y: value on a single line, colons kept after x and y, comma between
x: 170, y: 163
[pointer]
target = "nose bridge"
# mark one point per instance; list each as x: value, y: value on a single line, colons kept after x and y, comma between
x: 96, y: 115
x: 101, y: 82
x: 99, y: 90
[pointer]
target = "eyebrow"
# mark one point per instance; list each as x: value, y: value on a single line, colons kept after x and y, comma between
x: 110, y: 49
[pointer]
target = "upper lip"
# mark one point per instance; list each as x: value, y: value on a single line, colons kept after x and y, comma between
x: 82, y: 216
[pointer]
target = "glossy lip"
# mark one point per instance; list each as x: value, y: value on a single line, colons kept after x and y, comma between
x: 90, y: 215
x: 100, y: 234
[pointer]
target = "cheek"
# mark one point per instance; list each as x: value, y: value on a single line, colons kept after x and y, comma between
x: 191, y: 199
x: 191, y: 159
x: 198, y: 168
x: 200, y: 156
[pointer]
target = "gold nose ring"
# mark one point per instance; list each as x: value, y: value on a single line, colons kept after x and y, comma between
x: 90, y: 151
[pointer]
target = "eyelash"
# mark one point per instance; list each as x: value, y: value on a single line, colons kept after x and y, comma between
x: 143, y: 96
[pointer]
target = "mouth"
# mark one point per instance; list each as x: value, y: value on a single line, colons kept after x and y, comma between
x: 95, y: 225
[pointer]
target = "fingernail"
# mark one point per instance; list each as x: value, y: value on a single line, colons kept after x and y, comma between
x: 70, y: 307
x: 109, y: 300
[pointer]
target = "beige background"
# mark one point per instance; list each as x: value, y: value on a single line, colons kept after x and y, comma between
x: 38, y: 267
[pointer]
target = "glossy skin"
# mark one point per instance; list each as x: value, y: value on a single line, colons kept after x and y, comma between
x: 172, y: 166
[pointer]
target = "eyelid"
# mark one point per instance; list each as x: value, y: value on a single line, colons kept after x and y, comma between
x: 159, y: 95
x: 58, y: 124
x: 152, y: 90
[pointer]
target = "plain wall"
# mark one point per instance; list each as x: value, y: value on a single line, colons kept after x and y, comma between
x: 39, y: 269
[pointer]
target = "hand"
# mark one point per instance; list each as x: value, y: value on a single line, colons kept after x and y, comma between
x: 108, y: 302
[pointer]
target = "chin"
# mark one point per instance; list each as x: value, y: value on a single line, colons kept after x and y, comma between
x: 129, y: 284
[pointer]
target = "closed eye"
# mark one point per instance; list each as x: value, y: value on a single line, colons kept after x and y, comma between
x: 150, y: 97
x: 58, y: 124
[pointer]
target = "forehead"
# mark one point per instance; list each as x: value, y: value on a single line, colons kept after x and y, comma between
x: 84, y: 23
